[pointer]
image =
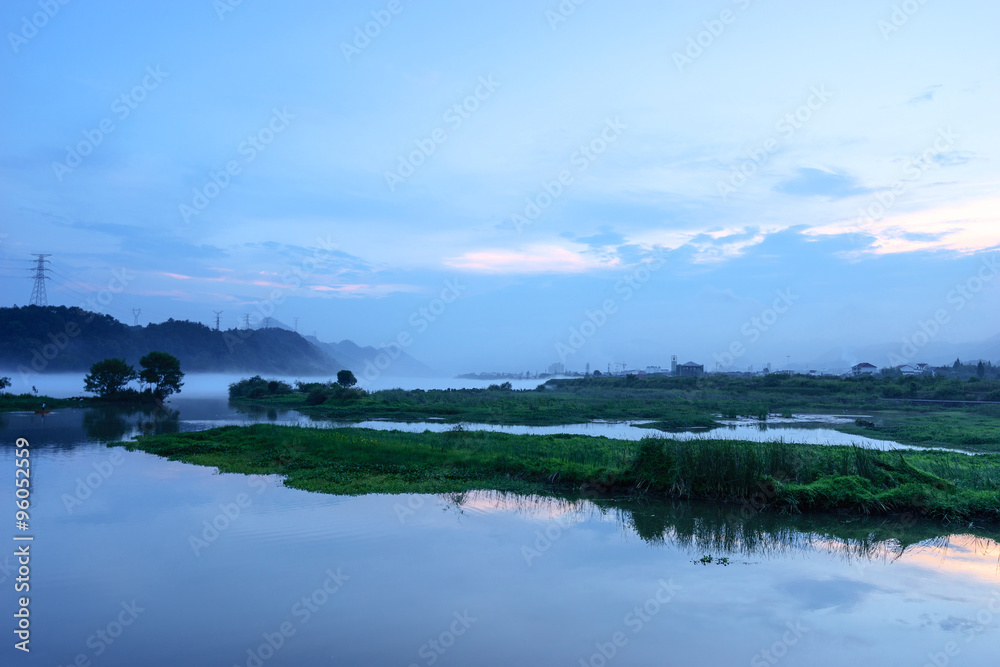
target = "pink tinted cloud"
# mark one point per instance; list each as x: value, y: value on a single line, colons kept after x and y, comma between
x: 539, y: 259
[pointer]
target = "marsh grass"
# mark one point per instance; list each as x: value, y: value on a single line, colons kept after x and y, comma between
x: 685, y: 403
x: 774, y: 475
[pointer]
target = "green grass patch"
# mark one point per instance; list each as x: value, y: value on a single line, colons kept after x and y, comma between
x: 796, y: 478
x: 22, y: 402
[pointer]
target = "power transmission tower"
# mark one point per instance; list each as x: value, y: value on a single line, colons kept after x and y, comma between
x: 267, y: 322
x: 135, y: 312
x: 296, y: 325
x: 217, y: 313
x: 38, y: 295
x: 246, y: 321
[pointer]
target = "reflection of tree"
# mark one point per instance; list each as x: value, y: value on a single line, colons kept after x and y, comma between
x: 105, y: 423
x: 108, y: 423
x: 157, y: 419
x: 720, y: 529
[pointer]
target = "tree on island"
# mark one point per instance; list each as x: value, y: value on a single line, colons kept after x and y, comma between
x: 109, y: 377
x: 4, y: 383
x: 163, y: 371
x: 346, y: 379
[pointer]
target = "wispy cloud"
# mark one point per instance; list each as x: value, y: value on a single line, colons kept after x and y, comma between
x: 809, y: 182
x: 537, y: 259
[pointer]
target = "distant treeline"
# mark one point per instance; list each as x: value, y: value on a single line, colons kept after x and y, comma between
x: 35, y: 339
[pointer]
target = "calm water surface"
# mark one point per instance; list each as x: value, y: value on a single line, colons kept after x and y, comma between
x: 208, y: 568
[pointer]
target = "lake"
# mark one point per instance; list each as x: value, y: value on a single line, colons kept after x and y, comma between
x: 142, y: 561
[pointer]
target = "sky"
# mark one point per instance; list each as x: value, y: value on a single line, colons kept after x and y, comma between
x: 502, y: 186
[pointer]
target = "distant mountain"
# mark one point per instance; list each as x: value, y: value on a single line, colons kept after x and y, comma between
x: 57, y: 338
x: 357, y: 359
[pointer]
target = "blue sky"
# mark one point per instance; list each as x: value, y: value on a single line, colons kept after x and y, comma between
x: 683, y: 162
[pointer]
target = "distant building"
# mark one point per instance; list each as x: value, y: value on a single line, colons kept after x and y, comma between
x: 690, y: 369
x: 906, y: 369
x: 864, y: 368
x: 557, y: 369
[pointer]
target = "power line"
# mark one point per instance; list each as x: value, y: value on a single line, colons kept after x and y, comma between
x: 115, y: 301
x: 38, y: 295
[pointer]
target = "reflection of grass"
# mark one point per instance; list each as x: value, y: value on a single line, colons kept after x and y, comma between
x: 773, y: 475
x: 714, y: 528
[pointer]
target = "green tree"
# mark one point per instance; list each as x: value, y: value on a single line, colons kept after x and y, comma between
x: 346, y: 379
x: 981, y: 370
x: 4, y: 383
x: 163, y: 371
x: 109, y: 377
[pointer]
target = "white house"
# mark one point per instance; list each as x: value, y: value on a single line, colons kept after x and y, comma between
x: 864, y: 368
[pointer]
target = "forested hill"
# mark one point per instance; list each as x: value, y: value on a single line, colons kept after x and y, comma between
x: 56, y: 338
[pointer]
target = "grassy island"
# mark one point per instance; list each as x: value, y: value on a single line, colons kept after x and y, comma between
x: 778, y: 476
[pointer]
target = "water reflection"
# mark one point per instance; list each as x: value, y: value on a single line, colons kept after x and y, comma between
x: 870, y: 591
x: 717, y: 529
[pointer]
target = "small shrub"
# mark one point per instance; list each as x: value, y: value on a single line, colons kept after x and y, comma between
x: 316, y: 397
